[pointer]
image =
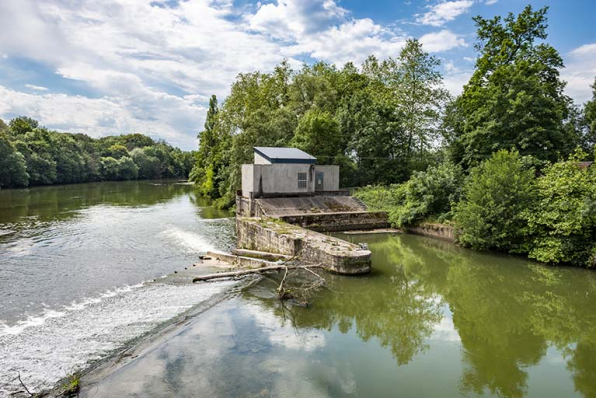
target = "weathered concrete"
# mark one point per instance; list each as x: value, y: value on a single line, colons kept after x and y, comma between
x: 335, y: 222
x: 276, y: 236
x: 259, y: 180
x: 261, y: 255
x: 239, y: 261
x: 276, y: 207
x: 441, y: 231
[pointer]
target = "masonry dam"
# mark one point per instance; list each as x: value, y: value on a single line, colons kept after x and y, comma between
x: 296, y: 226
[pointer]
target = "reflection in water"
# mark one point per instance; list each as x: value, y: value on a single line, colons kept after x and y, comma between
x: 431, y: 320
x: 506, y: 311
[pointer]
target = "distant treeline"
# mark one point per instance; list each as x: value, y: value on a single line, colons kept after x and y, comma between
x: 387, y: 119
x: 33, y: 155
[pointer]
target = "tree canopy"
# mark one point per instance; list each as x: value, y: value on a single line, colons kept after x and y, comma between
x: 33, y: 155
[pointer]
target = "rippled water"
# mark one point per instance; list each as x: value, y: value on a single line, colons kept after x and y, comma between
x: 75, y: 262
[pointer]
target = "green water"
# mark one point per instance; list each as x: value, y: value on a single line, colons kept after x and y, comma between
x: 432, y: 320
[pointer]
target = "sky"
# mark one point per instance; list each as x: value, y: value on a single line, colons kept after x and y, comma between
x: 104, y: 67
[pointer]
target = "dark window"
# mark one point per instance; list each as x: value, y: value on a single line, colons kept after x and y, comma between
x: 301, y: 180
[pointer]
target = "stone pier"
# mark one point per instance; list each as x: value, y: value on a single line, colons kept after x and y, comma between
x: 276, y: 236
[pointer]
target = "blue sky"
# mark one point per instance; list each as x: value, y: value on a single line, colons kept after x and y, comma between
x: 123, y: 66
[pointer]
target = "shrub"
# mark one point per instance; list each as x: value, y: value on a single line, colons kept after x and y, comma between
x: 427, y: 194
x: 495, y: 203
x: 563, y: 226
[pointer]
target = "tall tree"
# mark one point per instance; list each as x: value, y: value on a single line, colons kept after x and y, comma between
x: 514, y: 99
x: 420, y: 96
x: 209, y: 155
x: 590, y: 117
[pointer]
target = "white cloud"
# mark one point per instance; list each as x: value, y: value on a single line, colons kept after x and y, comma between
x: 36, y: 88
x: 443, y: 12
x: 490, y: 2
x: 151, y: 68
x: 580, y: 72
x: 441, y: 41
x: 158, y: 115
x: 323, y: 30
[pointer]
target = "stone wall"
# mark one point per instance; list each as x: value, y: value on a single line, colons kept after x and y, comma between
x: 441, y: 231
x: 334, y: 222
x: 276, y: 236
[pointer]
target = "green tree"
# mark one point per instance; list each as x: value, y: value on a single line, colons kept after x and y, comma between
x: 318, y: 134
x: 563, y: 226
x: 149, y: 166
x: 590, y: 119
x: 110, y: 168
x: 496, y: 199
x: 13, y: 168
x: 22, y: 124
x: 420, y: 96
x: 118, y: 151
x: 514, y: 99
x: 127, y: 169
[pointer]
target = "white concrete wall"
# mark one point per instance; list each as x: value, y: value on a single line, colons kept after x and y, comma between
x: 260, y: 160
x: 247, y: 179
x: 283, y: 178
x: 331, y: 177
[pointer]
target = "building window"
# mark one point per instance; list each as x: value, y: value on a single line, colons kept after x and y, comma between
x: 301, y: 180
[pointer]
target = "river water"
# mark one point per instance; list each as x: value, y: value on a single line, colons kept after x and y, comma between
x: 431, y: 319
x: 77, y: 265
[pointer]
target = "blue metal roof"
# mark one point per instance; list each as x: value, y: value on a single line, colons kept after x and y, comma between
x: 285, y: 155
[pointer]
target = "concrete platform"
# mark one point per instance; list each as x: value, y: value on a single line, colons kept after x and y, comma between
x: 276, y: 236
x: 276, y: 207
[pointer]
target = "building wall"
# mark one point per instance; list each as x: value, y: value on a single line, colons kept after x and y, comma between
x: 260, y: 160
x: 282, y: 178
x: 331, y: 178
x: 248, y: 179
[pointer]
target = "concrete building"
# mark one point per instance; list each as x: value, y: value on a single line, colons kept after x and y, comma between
x: 278, y: 172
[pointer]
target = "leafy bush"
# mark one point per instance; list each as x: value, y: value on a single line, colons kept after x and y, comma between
x: 426, y: 194
x: 496, y: 200
x: 563, y: 227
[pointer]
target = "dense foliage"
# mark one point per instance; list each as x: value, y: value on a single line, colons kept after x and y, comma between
x: 496, y: 198
x: 514, y: 133
x: 563, y: 227
x: 33, y: 155
x: 378, y: 123
x: 514, y: 99
x: 426, y: 194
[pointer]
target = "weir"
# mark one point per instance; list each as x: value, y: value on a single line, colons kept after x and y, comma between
x: 287, y: 202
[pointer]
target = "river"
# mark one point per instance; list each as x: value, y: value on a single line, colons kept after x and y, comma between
x: 432, y: 319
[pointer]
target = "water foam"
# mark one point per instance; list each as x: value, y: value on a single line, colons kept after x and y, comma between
x: 190, y: 241
x: 46, y: 348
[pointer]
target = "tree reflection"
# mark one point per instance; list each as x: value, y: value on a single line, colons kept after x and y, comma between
x: 62, y: 202
x: 387, y: 305
x: 506, y: 310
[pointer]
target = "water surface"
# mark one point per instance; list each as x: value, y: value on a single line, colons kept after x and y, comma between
x: 432, y: 320
x: 77, y: 270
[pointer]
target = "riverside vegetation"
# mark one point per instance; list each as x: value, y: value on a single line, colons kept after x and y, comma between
x: 33, y: 155
x: 503, y: 161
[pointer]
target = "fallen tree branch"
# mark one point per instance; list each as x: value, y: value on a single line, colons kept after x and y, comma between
x: 281, y: 290
x: 234, y: 274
